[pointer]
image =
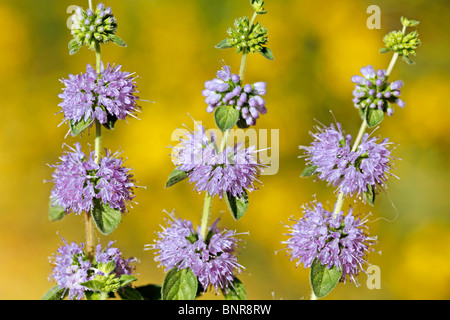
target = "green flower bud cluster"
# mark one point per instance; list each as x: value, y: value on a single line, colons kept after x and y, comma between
x: 400, y: 42
x: 403, y: 44
x: 258, y: 6
x: 109, y: 283
x: 245, y: 38
x: 90, y: 27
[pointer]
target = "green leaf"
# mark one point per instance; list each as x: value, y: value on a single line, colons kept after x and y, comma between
x: 91, y: 295
x: 225, y: 44
x: 175, y: 177
x: 369, y: 195
x: 94, y: 285
x: 237, y: 205
x: 55, y: 293
x: 79, y: 127
x: 126, y: 279
x: 408, y: 60
x: 74, y: 46
x: 55, y: 212
x: 107, y: 268
x: 266, y: 53
x: 106, y: 218
x: 117, y: 40
x: 129, y: 293
x: 384, y: 50
x: 322, y: 279
x: 309, y: 171
x: 226, y: 117
x: 179, y: 285
x: 236, y: 291
x: 374, y: 117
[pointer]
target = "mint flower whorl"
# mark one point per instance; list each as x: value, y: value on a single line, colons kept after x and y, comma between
x: 78, y: 180
x: 227, y: 89
x: 106, y: 98
x: 212, y: 260
x: 351, y: 171
x: 90, y: 26
x: 340, y: 241
x: 233, y: 170
x: 245, y: 38
x: 72, y: 266
x: 373, y: 91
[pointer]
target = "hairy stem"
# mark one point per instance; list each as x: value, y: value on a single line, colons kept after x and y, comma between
x: 208, y: 198
x: 362, y: 130
x: 97, y: 152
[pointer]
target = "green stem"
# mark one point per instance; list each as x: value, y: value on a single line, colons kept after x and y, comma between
x: 90, y: 4
x: 104, y: 296
x: 362, y: 130
x: 205, y: 215
x: 97, y: 152
x: 208, y: 198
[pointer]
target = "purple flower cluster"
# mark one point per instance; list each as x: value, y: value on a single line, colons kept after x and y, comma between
x: 351, y: 171
x: 72, y: 267
x: 212, y: 260
x: 232, y: 170
x: 227, y: 89
x: 334, y: 241
x: 373, y: 91
x: 91, y: 96
x: 78, y: 180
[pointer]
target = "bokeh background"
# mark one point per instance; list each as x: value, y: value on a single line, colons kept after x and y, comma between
x: 318, y: 46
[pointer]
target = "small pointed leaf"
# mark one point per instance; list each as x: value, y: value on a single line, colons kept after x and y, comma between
x: 175, y: 177
x: 237, y: 205
x: 80, y: 126
x: 369, y: 195
x: 106, y: 218
x: 322, y: 279
x: 309, y: 171
x: 55, y: 212
x: 236, y: 291
x: 374, y: 117
x: 117, y: 40
x: 55, y: 293
x: 179, y: 285
x: 226, y: 117
x: 225, y: 44
x: 74, y: 46
x: 266, y: 53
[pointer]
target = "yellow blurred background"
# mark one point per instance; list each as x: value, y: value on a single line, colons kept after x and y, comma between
x: 318, y: 46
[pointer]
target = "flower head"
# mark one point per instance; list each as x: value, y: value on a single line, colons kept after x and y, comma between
x: 212, y: 260
x: 232, y: 170
x: 89, y: 26
x: 227, y: 89
x: 72, y: 266
x: 78, y: 180
x: 351, y: 171
x: 373, y: 91
x: 340, y: 241
x: 106, y: 97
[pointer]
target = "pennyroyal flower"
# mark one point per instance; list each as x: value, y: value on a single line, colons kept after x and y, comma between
x: 227, y: 89
x: 78, y: 180
x: 212, y: 260
x: 233, y: 170
x: 372, y: 90
x: 105, y: 97
x: 352, y: 172
x: 72, y: 266
x: 340, y: 241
